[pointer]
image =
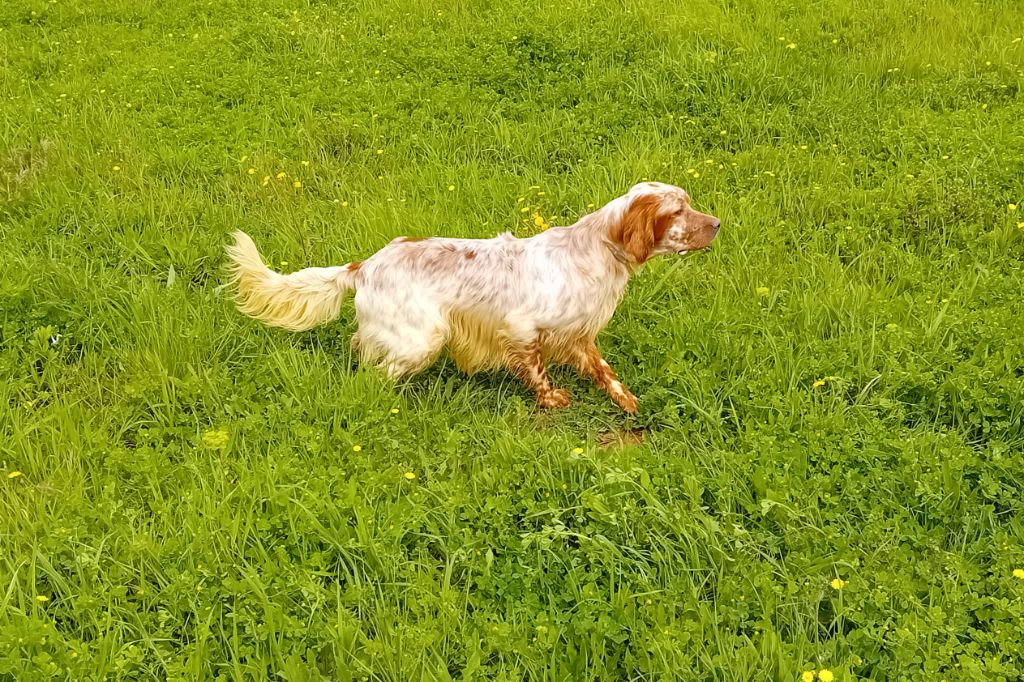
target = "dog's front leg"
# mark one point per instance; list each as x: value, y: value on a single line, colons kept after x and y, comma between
x: 527, y: 363
x: 590, y: 363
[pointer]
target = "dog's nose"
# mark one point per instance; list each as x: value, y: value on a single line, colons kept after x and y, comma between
x: 715, y: 224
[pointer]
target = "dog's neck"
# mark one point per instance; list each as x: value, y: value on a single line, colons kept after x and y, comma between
x: 596, y: 229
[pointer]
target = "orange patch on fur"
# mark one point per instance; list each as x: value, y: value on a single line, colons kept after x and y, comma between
x: 553, y: 398
x: 601, y: 372
x: 403, y: 240
x: 354, y: 265
x: 469, y: 255
x: 642, y: 227
x: 528, y: 364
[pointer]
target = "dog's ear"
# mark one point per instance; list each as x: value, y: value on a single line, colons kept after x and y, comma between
x: 637, y: 232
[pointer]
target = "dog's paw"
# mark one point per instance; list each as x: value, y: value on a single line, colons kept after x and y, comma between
x: 555, y: 398
x: 626, y: 400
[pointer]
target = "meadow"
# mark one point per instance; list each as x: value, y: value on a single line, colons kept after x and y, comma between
x: 825, y: 480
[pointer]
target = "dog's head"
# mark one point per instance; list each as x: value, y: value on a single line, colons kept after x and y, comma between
x: 657, y: 219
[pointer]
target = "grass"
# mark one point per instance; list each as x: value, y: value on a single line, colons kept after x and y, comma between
x: 833, y: 392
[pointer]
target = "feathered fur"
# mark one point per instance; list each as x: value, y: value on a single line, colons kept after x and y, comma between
x: 297, y: 302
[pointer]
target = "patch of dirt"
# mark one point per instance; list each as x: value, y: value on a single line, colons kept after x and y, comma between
x: 614, y: 439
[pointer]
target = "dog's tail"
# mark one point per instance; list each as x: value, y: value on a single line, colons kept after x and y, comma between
x: 298, y: 301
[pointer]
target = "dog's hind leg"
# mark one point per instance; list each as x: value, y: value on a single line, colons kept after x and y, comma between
x: 400, y: 353
x: 399, y: 341
x: 526, y: 361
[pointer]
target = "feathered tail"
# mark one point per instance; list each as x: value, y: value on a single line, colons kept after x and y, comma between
x: 298, y: 301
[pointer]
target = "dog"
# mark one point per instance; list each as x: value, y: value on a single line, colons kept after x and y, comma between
x: 494, y: 303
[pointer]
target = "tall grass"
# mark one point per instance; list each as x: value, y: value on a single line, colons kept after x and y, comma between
x: 826, y: 472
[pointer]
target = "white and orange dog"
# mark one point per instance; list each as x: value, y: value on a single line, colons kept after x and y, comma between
x: 501, y: 302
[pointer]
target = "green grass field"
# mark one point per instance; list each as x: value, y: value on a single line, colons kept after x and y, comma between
x: 826, y: 474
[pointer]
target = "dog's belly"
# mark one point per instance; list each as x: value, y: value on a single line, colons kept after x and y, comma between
x: 474, y: 342
x: 562, y: 323
x: 477, y: 343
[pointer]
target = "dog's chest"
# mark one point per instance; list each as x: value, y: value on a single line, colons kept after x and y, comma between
x: 588, y: 308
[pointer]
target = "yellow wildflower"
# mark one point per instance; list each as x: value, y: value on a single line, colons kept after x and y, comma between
x: 266, y: 180
x: 451, y: 188
x: 835, y: 41
x: 538, y: 221
x: 838, y: 583
x: 251, y: 171
x: 1018, y: 573
x: 306, y: 163
x: 818, y: 384
x: 394, y: 410
x: 116, y: 168
x: 762, y: 291
x: 357, y: 448
x: 42, y: 598
x: 344, y: 203
x: 577, y: 451
x: 723, y: 132
x: 791, y: 46
x: 297, y: 184
x: 216, y: 440
x: 244, y: 159
x: 826, y: 675
x: 808, y: 676
x: 1020, y: 225
x: 410, y: 476
x: 1011, y: 207
x: 14, y: 474
x: 380, y: 151
x: 280, y: 175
